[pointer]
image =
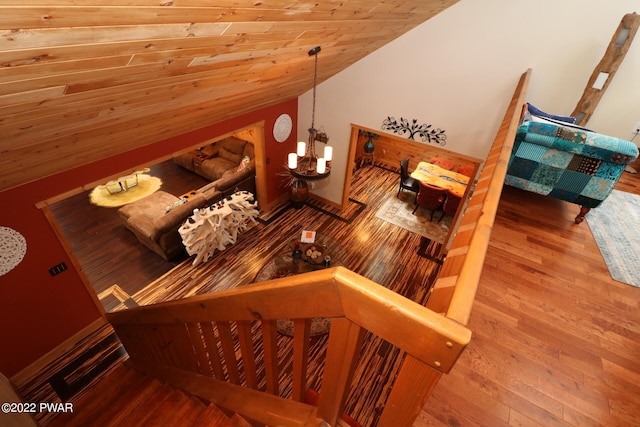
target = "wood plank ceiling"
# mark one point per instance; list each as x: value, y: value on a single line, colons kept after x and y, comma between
x: 82, y: 80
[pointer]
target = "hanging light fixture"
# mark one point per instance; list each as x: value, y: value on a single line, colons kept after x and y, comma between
x: 304, y: 163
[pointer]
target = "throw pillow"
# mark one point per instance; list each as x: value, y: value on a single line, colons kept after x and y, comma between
x: 175, y: 205
x: 243, y: 164
x: 558, y: 122
x: 538, y: 112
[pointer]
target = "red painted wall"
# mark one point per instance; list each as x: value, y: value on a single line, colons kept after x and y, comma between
x: 37, y: 311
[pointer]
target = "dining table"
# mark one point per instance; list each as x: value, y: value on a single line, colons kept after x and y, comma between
x: 431, y: 174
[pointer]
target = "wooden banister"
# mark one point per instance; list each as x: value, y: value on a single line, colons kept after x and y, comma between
x: 208, y: 344
x: 197, y: 334
x: 454, y: 291
x: 333, y: 293
x: 455, y: 288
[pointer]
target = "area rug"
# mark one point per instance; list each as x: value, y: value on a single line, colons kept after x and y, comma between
x: 614, y: 225
x: 397, y: 211
x: 146, y: 185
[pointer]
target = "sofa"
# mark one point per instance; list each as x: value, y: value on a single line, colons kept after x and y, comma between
x: 221, y: 159
x: 567, y: 162
x: 155, y: 219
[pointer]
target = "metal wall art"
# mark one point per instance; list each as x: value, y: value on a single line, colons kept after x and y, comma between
x: 424, y: 131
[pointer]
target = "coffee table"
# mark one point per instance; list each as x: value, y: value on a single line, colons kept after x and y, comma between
x: 284, y: 264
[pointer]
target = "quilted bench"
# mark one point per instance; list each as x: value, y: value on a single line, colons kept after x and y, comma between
x: 567, y: 163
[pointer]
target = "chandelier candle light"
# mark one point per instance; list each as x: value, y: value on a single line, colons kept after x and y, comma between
x: 304, y: 163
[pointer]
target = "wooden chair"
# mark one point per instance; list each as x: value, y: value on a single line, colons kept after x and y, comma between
x: 450, y: 206
x: 443, y: 163
x: 406, y: 182
x: 430, y: 197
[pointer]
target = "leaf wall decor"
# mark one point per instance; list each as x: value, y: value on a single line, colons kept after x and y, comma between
x: 424, y: 131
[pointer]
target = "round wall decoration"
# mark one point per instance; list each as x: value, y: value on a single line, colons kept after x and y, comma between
x: 13, y: 246
x: 282, y: 127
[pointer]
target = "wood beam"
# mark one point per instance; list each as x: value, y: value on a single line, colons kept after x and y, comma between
x: 606, y: 68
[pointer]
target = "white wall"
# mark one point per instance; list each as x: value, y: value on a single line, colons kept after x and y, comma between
x: 458, y: 71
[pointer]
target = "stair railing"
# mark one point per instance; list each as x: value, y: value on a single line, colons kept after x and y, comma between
x: 454, y: 292
x: 195, y: 335
x: 455, y: 288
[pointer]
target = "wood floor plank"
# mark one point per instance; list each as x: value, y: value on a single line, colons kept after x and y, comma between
x: 552, y: 331
x: 122, y: 259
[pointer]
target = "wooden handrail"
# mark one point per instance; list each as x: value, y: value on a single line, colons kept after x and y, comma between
x: 195, y: 334
x: 207, y: 344
x: 333, y: 293
x: 455, y: 288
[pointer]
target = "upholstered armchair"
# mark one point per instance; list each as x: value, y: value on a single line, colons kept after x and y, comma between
x: 451, y: 203
x: 430, y: 197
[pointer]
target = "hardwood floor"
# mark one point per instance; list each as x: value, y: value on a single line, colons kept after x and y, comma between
x: 372, y: 247
x: 555, y: 339
x: 128, y: 398
x: 109, y: 253
x: 376, y: 249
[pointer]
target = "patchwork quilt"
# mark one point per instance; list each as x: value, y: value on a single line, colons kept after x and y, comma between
x: 567, y: 163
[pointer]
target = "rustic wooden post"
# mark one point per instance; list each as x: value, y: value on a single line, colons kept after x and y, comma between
x: 613, y: 56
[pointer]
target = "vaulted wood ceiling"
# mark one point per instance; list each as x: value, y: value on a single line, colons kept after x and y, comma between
x: 82, y: 80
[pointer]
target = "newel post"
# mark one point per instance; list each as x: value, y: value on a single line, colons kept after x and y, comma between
x: 411, y: 389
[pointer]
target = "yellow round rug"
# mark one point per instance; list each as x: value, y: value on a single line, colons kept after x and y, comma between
x: 147, y: 184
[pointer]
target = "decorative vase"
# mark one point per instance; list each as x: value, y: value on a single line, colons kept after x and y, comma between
x: 298, y: 192
x: 368, y: 146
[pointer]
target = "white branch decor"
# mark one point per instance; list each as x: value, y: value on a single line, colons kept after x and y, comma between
x: 214, y: 227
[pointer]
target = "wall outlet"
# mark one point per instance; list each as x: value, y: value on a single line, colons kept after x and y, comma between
x: 57, y: 269
x: 637, y: 128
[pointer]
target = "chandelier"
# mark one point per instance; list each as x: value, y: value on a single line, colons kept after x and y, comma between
x: 304, y: 163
